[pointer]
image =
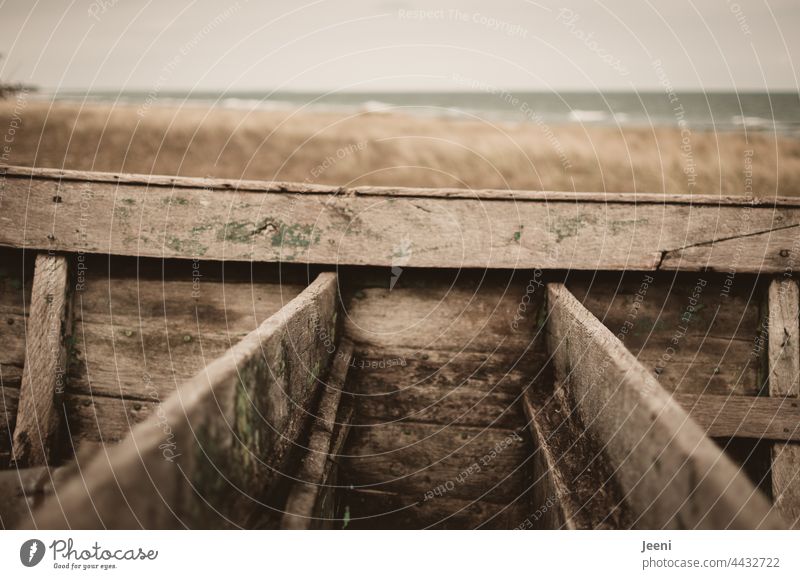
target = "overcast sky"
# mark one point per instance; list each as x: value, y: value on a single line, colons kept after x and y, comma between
x: 401, y: 44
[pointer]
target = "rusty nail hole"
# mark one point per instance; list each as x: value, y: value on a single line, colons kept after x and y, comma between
x: 10, y: 321
x: 87, y: 402
x: 50, y: 236
x: 784, y: 253
x: 57, y: 199
x: 137, y: 406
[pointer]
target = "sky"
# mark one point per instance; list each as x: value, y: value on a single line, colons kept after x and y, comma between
x: 401, y: 45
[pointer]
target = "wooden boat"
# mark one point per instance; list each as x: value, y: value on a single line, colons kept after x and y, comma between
x: 202, y: 353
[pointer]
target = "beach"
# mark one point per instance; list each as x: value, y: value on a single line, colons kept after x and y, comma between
x: 393, y: 149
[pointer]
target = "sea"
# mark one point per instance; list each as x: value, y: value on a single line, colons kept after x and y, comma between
x: 717, y: 111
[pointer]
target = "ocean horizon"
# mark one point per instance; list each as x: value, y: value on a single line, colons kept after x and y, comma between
x: 724, y: 111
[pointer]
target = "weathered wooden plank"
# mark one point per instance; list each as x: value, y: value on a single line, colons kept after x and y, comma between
x: 695, y: 332
x: 457, y: 390
x: 178, y: 182
x: 16, y: 274
x: 90, y: 419
x: 784, y: 383
x: 303, y: 505
x: 672, y: 475
x: 103, y: 419
x: 374, y: 509
x: 769, y: 249
x: 9, y: 398
x: 324, y: 228
x: 46, y: 359
x: 441, y: 359
x: 330, y: 512
x: 430, y: 461
x: 756, y: 417
x: 572, y: 488
x: 213, y: 453
x: 550, y: 492
x: 139, y: 337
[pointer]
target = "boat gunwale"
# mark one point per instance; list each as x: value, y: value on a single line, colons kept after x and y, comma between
x: 284, y: 187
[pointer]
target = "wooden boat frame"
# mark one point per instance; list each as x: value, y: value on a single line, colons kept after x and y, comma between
x: 655, y: 466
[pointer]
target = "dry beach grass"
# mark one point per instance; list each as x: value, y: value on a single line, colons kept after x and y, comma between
x: 387, y: 149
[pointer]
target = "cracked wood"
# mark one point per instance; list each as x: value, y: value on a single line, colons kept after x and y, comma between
x: 784, y: 373
x: 191, y: 218
x: 304, y: 506
x: 672, y: 476
x: 215, y: 452
x: 39, y: 410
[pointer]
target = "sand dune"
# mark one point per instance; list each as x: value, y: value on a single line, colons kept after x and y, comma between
x: 381, y: 149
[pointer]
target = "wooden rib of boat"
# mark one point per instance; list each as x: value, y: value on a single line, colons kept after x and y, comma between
x: 198, y: 353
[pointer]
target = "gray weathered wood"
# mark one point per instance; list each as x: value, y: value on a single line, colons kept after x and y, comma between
x: 46, y: 361
x: 285, y: 222
x: 784, y: 378
x: 303, y: 506
x: 671, y: 474
x: 715, y: 350
x: 756, y: 417
x: 572, y: 486
x: 211, y: 454
x: 551, y: 494
x: 179, y: 182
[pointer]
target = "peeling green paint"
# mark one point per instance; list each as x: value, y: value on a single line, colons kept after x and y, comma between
x: 617, y: 226
x: 186, y: 246
x: 175, y: 201
x: 295, y: 235
x: 569, y: 227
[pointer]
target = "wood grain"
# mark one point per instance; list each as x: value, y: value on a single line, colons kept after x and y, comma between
x: 9, y: 398
x: 755, y: 417
x: 212, y: 454
x: 701, y: 342
x: 672, y: 476
x: 572, y: 485
x: 375, y: 510
x: 784, y: 383
x: 179, y: 182
x: 439, y: 366
x: 39, y: 411
x: 139, y: 337
x: 304, y: 504
x: 358, y: 227
x: 429, y: 461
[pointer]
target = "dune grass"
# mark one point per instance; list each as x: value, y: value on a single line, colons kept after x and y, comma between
x: 383, y: 149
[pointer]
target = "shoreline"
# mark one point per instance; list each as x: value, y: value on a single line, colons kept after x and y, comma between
x: 390, y: 149
x: 509, y: 116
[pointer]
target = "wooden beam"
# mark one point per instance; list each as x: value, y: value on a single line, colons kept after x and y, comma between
x: 304, y: 506
x: 571, y: 486
x: 190, y: 218
x: 784, y: 382
x: 756, y: 417
x: 46, y: 358
x: 179, y: 182
x: 216, y: 452
x: 671, y: 474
